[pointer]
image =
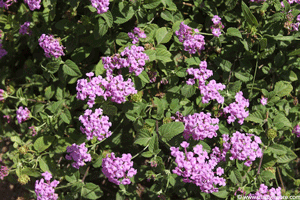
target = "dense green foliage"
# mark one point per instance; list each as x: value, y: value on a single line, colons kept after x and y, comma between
x: 255, y: 54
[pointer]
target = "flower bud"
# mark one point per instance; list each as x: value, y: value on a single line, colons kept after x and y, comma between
x: 137, y: 97
x: 271, y: 134
x: 23, y: 179
x: 297, y: 182
x: 271, y: 169
x: 167, y: 120
x: 23, y: 150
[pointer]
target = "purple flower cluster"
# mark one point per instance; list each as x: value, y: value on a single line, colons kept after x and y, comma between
x: 291, y: 2
x: 2, y: 93
x: 7, y: 117
x: 216, y: 28
x: 33, y: 130
x: 257, y: 1
x: 24, y: 29
x: 114, y: 87
x: 136, y: 34
x: 7, y: 4
x: 242, y: 147
x: 237, y: 109
x: 95, y: 124
x: 3, y: 52
x: 51, y: 46
x: 192, y: 40
x: 45, y: 190
x: 198, y: 168
x: 152, y: 76
x: 79, y: 154
x: 118, y: 170
x: 264, y: 101
x: 265, y: 193
x: 33, y: 4
x: 209, y: 91
x: 296, y: 130
x: 23, y: 114
x: 100, y: 5
x: 135, y: 60
x: 200, y: 126
x: 3, y: 172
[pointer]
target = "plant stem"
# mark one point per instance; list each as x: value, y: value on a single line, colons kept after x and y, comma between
x: 140, y: 152
x: 254, y: 73
x: 282, y: 186
x: 86, y: 173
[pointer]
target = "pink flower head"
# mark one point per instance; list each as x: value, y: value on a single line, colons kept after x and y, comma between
x: 136, y: 34
x: 94, y: 124
x: 3, y: 172
x: 192, y: 41
x: 216, y: 19
x: 118, y: 170
x: 8, y: 118
x: 198, y: 167
x: 237, y: 109
x: 102, y: 6
x: 216, y: 32
x: 79, y: 154
x: 33, y: 4
x: 51, y: 46
x: 23, y: 114
x: 45, y: 190
x: 24, y: 29
x: 296, y: 130
x: 264, y: 101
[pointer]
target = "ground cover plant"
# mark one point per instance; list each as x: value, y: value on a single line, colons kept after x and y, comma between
x: 150, y: 99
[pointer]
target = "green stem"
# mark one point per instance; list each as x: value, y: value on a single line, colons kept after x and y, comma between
x: 254, y: 72
x: 140, y: 152
x: 298, y: 149
x: 65, y: 186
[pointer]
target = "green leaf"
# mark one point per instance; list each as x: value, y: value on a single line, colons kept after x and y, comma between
x: 248, y: 15
x: 151, y: 4
x: 256, y: 117
x: 281, y: 121
x: 99, y: 68
x: 163, y: 35
x: 221, y: 194
x: 224, y: 64
x: 163, y: 55
x: 293, y: 76
x: 81, y: 53
x: 277, y: 149
x: 108, y: 18
x: 91, y: 191
x: 71, y: 69
x: 170, y: 130
x: 295, y: 53
x: 43, y: 165
x: 283, y: 88
x: 109, y: 109
x: 43, y: 143
x: 288, y: 157
x: 267, y: 175
x: 66, y: 116
x: 143, y: 137
x: 188, y: 90
x: 234, y: 32
x: 235, y: 176
x: 153, y: 144
x: 55, y: 106
x: 31, y: 172
x: 101, y: 29
x: 53, y: 67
